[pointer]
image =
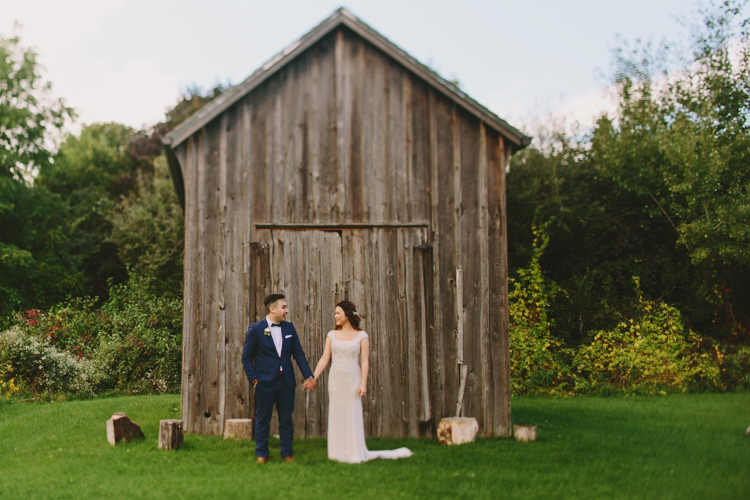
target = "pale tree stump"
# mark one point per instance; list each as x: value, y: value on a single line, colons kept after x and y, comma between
x: 170, y: 434
x: 524, y: 432
x: 238, y: 428
x: 747, y: 432
x: 121, y: 428
x: 457, y: 430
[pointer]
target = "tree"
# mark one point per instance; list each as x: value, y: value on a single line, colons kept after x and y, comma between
x: 28, y: 112
x: 36, y: 267
x: 681, y: 140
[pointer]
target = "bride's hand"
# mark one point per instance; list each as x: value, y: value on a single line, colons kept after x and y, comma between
x: 362, y: 390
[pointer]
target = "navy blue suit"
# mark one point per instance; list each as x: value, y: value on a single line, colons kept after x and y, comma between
x: 262, y: 362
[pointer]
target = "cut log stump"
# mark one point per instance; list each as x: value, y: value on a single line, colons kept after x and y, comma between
x: 121, y: 428
x: 170, y: 434
x: 524, y: 432
x: 238, y: 428
x: 458, y: 430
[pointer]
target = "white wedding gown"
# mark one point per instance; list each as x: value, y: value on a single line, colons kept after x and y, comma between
x: 346, y: 428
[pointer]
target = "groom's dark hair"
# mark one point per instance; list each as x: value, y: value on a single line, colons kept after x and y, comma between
x: 272, y: 299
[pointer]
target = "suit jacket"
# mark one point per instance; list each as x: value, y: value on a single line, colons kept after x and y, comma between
x: 262, y: 361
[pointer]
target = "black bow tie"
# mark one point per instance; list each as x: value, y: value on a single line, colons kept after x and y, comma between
x: 276, y: 324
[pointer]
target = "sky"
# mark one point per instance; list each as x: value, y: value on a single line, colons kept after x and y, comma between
x: 128, y: 60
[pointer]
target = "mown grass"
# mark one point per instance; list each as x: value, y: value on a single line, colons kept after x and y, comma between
x: 677, y: 446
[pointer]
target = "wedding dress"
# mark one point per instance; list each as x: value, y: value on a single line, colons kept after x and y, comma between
x: 346, y: 428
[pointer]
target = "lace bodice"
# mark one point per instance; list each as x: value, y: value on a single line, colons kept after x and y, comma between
x: 345, y: 353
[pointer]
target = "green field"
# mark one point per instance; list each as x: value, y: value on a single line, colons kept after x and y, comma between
x: 677, y: 446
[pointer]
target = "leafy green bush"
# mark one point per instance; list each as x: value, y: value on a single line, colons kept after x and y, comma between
x: 536, y: 363
x: 144, y: 347
x: 653, y: 352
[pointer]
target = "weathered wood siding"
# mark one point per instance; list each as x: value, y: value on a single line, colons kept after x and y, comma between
x: 344, y: 135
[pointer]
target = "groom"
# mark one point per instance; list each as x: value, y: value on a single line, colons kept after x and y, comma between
x: 272, y: 342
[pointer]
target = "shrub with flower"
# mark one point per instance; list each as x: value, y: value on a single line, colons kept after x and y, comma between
x: 44, y: 368
x: 7, y: 386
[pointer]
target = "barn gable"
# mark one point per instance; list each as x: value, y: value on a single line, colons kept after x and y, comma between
x: 341, y: 17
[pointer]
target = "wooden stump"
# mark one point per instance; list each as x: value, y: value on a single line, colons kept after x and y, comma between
x: 121, y: 428
x: 458, y: 430
x: 170, y: 434
x: 238, y: 428
x: 524, y: 432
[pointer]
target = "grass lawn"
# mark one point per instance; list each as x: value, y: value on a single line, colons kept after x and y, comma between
x: 677, y: 446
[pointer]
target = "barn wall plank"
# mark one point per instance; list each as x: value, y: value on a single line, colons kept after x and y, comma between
x: 221, y: 337
x: 326, y: 131
x: 213, y: 243
x: 192, y: 335
x: 419, y: 151
x: 446, y: 242
x: 396, y: 144
x: 258, y: 106
x: 234, y: 267
x: 353, y: 102
x: 375, y: 133
x: 246, y: 395
x: 436, y: 216
x: 485, y: 403
x: 470, y: 250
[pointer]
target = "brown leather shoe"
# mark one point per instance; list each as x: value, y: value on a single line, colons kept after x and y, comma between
x: 261, y: 460
x: 288, y: 459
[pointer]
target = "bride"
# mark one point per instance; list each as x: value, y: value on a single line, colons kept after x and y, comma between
x: 349, y: 346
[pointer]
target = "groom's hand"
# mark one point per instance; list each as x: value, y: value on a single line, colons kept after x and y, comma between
x: 310, y: 384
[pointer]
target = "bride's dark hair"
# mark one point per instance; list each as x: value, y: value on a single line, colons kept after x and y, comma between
x: 350, y: 310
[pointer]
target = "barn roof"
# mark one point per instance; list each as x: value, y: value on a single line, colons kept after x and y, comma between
x: 341, y: 17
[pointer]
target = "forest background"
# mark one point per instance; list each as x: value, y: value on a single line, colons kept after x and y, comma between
x: 629, y: 242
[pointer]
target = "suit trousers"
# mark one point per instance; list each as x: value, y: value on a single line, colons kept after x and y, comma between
x: 267, y: 395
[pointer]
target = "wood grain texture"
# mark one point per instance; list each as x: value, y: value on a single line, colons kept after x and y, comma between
x: 344, y: 175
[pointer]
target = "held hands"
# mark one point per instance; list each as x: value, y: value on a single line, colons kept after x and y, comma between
x: 362, y: 390
x: 310, y: 384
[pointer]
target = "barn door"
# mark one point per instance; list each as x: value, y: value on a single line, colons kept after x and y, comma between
x: 306, y: 267
x: 383, y: 271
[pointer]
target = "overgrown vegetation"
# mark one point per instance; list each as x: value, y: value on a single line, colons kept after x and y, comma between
x: 132, y: 344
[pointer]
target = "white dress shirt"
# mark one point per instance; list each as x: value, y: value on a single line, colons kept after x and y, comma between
x: 276, y: 336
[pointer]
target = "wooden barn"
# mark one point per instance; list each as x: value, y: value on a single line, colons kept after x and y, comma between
x: 345, y: 169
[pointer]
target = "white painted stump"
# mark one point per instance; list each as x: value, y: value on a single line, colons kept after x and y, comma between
x: 170, y: 435
x: 238, y: 428
x: 524, y: 432
x: 121, y: 428
x: 457, y: 430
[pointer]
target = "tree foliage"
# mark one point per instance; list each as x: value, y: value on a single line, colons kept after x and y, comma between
x: 658, y: 190
x: 28, y: 112
x: 37, y: 268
